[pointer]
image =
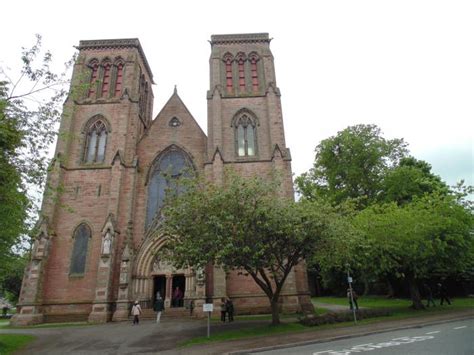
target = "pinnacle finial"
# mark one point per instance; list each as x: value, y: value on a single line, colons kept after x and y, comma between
x: 175, y: 89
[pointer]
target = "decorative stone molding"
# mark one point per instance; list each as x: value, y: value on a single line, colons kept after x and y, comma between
x: 240, y: 38
x: 115, y: 44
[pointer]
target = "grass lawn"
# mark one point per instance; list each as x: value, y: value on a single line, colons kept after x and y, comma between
x: 396, y: 304
x: 248, y: 332
x: 12, y: 342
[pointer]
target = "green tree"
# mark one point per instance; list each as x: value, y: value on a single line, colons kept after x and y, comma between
x: 351, y: 165
x: 410, y: 178
x: 13, y: 200
x: 30, y: 109
x: 432, y: 235
x: 243, y: 225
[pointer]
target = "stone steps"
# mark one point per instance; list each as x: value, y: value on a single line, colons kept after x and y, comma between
x: 181, y: 312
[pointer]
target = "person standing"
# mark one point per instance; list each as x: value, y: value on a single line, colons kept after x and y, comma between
x: 223, y: 309
x: 352, y: 299
x: 136, y: 311
x: 230, y: 309
x: 177, y: 297
x: 443, y: 294
x: 159, y: 307
x: 429, y: 295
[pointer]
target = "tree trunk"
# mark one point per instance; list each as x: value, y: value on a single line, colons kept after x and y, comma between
x: 366, y: 286
x: 275, y: 312
x: 414, y: 293
x: 391, y: 291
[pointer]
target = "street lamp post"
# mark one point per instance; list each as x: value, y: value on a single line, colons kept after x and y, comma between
x: 349, y: 280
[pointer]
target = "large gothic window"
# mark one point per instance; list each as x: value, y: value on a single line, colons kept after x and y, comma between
x: 164, y: 175
x: 245, y: 135
x: 81, y: 238
x: 96, y: 142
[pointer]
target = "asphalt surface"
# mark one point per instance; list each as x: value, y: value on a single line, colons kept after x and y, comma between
x: 440, y: 339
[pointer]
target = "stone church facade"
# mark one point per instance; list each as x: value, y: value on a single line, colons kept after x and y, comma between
x: 97, y: 248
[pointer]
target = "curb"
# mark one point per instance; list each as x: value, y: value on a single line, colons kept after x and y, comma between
x: 349, y: 336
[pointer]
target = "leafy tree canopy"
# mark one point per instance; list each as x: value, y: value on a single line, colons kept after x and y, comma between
x: 30, y: 109
x: 432, y: 235
x: 351, y: 165
x: 410, y: 178
x: 244, y: 225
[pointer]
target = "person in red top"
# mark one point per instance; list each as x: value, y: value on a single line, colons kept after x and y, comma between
x: 177, y: 297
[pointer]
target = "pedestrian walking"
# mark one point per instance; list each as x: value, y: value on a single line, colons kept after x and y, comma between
x: 352, y: 299
x: 223, y: 309
x: 429, y: 295
x: 159, y: 307
x: 136, y: 311
x: 230, y: 309
x: 443, y: 294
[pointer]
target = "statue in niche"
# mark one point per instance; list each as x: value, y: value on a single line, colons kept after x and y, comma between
x: 106, y: 243
x: 200, y: 277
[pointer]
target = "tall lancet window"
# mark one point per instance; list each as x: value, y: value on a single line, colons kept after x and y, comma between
x: 228, y: 59
x: 106, y: 80
x: 94, y: 67
x: 118, y: 79
x: 81, y: 237
x: 253, y: 58
x: 246, y: 138
x: 96, y: 142
x: 164, y: 177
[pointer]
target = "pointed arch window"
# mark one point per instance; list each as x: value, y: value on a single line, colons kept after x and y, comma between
x: 245, y: 133
x: 106, y: 80
x: 167, y: 169
x: 94, y: 66
x: 253, y: 58
x: 228, y: 59
x: 241, y: 67
x: 118, y: 79
x: 96, y: 142
x: 81, y: 237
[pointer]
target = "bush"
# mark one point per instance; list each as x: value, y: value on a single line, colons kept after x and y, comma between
x: 330, y: 318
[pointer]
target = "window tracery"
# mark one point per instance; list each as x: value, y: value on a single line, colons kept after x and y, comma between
x: 96, y: 142
x: 245, y: 135
x: 165, y: 173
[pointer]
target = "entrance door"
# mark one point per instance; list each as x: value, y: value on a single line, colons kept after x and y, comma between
x: 177, y: 295
x: 159, y: 285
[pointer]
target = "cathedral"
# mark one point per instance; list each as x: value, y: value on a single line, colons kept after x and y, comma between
x: 97, y: 247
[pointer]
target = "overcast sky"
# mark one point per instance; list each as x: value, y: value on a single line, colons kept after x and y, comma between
x: 406, y: 66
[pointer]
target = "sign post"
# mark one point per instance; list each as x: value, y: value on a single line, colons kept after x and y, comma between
x: 208, y: 307
x: 349, y: 281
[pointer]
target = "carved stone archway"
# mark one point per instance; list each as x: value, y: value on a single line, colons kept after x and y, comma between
x: 148, y: 265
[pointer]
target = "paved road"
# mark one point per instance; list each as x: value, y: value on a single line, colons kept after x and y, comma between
x: 455, y: 338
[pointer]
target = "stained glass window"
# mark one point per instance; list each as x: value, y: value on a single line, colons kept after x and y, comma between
x: 167, y: 169
x: 79, y: 251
